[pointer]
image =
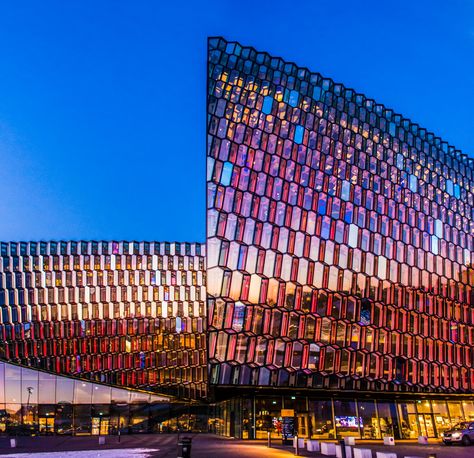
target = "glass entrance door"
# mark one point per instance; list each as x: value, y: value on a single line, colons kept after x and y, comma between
x: 426, y: 425
x: 46, y: 425
x: 429, y: 424
x: 100, y: 426
x: 441, y: 417
x: 104, y: 426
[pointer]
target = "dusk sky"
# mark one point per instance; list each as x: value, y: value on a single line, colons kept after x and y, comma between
x: 102, y: 103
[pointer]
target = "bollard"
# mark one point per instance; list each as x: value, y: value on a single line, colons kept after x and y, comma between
x: 347, y: 449
x: 269, y: 439
x: 388, y: 440
x: 423, y: 440
x: 297, y: 447
x: 120, y: 431
x: 385, y: 455
x: 184, y: 447
x: 328, y: 448
x: 362, y: 453
x: 12, y: 443
x: 313, y: 445
x: 101, y: 440
x: 343, y: 448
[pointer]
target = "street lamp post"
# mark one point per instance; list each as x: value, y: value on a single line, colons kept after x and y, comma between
x: 30, y: 391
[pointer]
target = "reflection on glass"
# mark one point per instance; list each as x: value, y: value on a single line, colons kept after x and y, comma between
x: 12, y: 384
x: 64, y: 390
x: 322, y: 426
x: 387, y: 418
x: 468, y: 408
x: 82, y: 392
x: 408, y: 420
x: 369, y: 427
x: 101, y: 394
x: 47, y: 388
x: 347, y: 423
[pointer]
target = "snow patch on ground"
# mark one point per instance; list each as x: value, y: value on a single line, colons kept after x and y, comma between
x: 112, y: 453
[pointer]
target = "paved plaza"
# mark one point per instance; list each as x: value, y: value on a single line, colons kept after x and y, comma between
x: 203, y: 446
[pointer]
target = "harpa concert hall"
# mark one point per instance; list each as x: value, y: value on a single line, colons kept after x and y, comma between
x: 336, y: 282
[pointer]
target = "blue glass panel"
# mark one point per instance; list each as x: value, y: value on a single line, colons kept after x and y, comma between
x: 230, y: 48
x: 267, y: 105
x: 322, y: 205
x: 317, y: 93
x: 457, y: 191
x: 450, y: 187
x: 325, y: 229
x: 293, y: 98
x: 345, y: 190
x: 413, y: 183
x: 214, y: 56
x: 399, y: 161
x: 393, y: 129
x: 348, y: 215
x: 226, y: 174
x: 299, y: 131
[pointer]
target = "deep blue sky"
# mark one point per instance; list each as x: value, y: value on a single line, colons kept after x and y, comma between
x: 102, y: 102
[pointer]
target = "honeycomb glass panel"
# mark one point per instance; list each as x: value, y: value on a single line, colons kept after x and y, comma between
x: 334, y: 194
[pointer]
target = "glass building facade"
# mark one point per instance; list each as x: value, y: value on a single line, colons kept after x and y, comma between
x: 340, y: 241
x: 336, y: 281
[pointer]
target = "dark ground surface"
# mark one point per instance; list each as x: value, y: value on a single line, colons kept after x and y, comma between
x: 210, y: 446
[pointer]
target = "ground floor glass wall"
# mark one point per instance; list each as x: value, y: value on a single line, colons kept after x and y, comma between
x: 35, y: 402
x: 20, y: 419
x: 255, y: 417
